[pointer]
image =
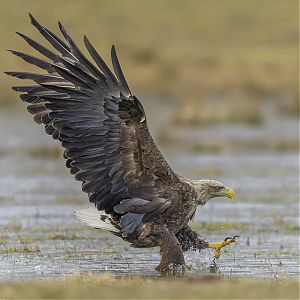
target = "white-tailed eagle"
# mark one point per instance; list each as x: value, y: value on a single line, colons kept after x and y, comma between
x: 103, y: 128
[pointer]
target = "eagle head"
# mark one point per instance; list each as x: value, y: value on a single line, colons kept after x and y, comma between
x: 208, y: 189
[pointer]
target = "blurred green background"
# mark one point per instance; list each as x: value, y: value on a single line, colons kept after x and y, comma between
x: 222, y: 60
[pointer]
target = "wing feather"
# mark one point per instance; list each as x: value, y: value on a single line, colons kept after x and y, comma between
x: 99, y: 61
x: 117, y: 68
x: 33, y: 60
x: 41, y: 49
x: 102, y: 127
x: 54, y: 40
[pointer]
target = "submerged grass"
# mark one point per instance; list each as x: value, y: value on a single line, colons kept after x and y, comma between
x: 22, y: 249
x: 37, y: 151
x: 14, y: 225
x: 171, y: 138
x: 49, y: 237
x: 206, y: 227
x: 108, y: 287
x: 246, y: 227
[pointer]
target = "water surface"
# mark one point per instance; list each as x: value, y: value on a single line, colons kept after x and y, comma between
x: 40, y: 238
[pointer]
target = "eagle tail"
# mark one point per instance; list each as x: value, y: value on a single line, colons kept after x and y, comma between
x: 97, y: 219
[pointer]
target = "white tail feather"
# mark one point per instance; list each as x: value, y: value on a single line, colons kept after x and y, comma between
x: 96, y: 219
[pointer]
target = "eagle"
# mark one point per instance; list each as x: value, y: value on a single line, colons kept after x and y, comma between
x: 107, y: 145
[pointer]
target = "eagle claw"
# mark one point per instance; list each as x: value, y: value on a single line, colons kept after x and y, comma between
x: 219, y: 245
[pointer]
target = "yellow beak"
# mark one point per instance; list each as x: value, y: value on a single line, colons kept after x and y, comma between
x: 229, y: 193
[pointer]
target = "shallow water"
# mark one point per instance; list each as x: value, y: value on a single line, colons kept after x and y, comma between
x: 40, y: 238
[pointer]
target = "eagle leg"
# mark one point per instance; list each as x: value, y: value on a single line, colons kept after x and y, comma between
x: 191, y: 240
x: 172, y: 258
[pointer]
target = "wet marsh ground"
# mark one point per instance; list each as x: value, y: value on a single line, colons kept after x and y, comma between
x: 40, y: 238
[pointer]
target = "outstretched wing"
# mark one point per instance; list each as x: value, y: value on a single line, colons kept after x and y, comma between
x: 101, y: 125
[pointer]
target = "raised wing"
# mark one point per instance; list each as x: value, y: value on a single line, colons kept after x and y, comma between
x: 101, y: 125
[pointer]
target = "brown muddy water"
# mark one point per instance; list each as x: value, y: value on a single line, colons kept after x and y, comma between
x: 40, y: 238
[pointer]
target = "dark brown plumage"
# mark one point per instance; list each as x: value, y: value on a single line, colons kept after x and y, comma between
x: 108, y: 147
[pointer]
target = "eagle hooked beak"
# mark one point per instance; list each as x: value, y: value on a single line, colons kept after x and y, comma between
x: 227, y: 192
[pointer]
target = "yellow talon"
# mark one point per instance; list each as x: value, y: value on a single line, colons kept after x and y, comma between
x: 219, y: 245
